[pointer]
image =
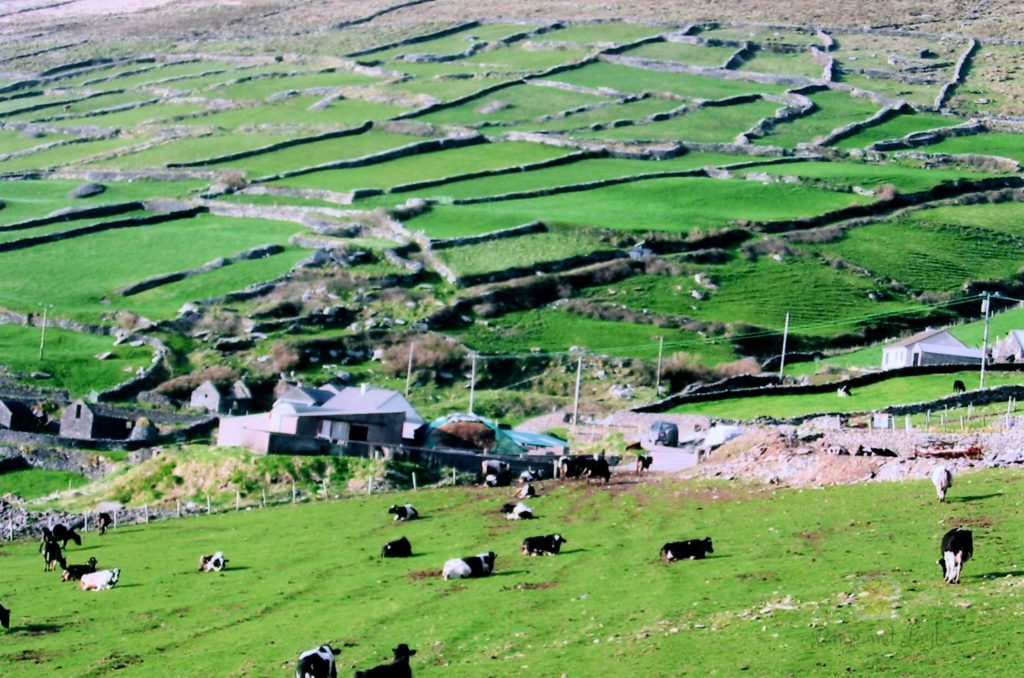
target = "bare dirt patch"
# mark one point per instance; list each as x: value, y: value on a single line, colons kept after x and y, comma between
x: 531, y: 586
x: 418, y: 575
x: 980, y: 521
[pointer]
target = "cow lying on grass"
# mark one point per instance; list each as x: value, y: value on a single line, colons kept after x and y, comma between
x: 406, y: 512
x: 397, y: 668
x: 100, y: 580
x: 212, y: 563
x: 539, y: 546
x: 694, y: 549
x: 473, y: 566
x: 399, y: 548
x: 75, y: 572
x: 317, y: 663
x: 957, y: 549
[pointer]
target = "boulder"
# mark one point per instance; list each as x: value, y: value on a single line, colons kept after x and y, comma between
x: 86, y: 190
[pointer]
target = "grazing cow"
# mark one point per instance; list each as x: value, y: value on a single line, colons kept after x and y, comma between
x: 643, y: 462
x: 212, y: 563
x: 100, y: 580
x: 694, y: 549
x: 584, y: 467
x: 5, y: 617
x: 75, y: 572
x: 525, y: 491
x: 63, y: 533
x: 518, y: 511
x: 843, y: 391
x: 317, y: 663
x: 957, y: 549
x: 539, y: 546
x: 942, y: 479
x: 399, y: 548
x: 406, y: 512
x: 473, y: 566
x: 959, y: 386
x: 52, y: 555
x: 103, y: 521
x: 397, y: 668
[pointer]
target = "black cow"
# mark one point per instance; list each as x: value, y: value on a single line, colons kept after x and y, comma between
x: 61, y: 533
x: 406, y: 512
x: 399, y: 548
x: 695, y: 549
x: 959, y: 386
x: 398, y: 668
x: 479, y: 565
x: 75, y: 572
x: 317, y: 663
x: 539, y: 546
x: 103, y: 521
x: 957, y: 549
x: 643, y: 462
x: 584, y: 467
x: 5, y: 617
x: 52, y: 555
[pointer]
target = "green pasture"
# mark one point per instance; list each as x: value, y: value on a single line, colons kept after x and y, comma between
x: 523, y: 59
x: 187, y: 149
x: 11, y: 107
x: 760, y: 293
x: 443, y: 89
x: 930, y: 256
x: 916, y: 94
x: 422, y: 166
x: 161, y: 73
x: 70, y: 357
x: 12, y: 141
x: 603, y: 115
x: 558, y: 330
x: 674, y: 205
x: 601, y: 32
x: 297, y: 110
x: 683, y: 53
x: 262, y: 88
x: 101, y: 78
x: 513, y: 104
x: 896, y: 128
x: 79, y: 275
x: 714, y: 124
x: 834, y: 109
x: 60, y: 226
x: 68, y: 154
x: 208, y: 85
x: 134, y: 117
x: 523, y: 251
x: 594, y: 169
x: 86, y: 106
x: 878, y: 396
x: 873, y: 51
x: 992, y: 143
x: 454, y: 43
x: 788, y: 566
x: 868, y: 175
x: 34, y: 483
x: 793, y: 64
x: 761, y: 35
x: 630, y: 79
x: 988, y: 89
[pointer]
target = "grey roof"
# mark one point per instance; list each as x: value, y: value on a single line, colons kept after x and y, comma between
x: 372, y: 399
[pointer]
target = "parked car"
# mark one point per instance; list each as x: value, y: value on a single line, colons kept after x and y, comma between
x: 663, y: 433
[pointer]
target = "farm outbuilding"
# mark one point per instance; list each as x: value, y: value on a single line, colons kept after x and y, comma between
x: 16, y: 415
x: 83, y: 421
x: 931, y: 347
x: 236, y: 399
x: 478, y: 434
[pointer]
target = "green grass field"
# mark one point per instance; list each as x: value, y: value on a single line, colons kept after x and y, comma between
x: 836, y: 580
x: 897, y: 127
x: 868, y: 175
x: 513, y: 104
x: 34, y: 483
x: 994, y: 143
x: 524, y: 251
x: 628, y: 79
x: 684, y: 53
x: 835, y: 109
x: 717, y: 124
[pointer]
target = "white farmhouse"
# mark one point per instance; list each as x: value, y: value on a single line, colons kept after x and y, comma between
x: 931, y: 347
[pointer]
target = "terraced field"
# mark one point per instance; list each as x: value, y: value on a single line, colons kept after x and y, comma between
x: 735, y: 153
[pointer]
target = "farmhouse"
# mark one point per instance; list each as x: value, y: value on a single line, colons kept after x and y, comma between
x: 1010, y: 348
x: 302, y: 421
x: 931, y: 347
x: 234, y: 400
x: 478, y: 434
x: 16, y: 415
x: 83, y: 421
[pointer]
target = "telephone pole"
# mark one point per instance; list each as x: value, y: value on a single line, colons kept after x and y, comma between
x: 661, y: 350
x: 42, y: 332
x: 472, y: 384
x: 785, y: 336
x: 985, y: 303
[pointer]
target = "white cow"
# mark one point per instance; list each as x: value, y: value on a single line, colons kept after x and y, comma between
x: 100, y: 580
x: 942, y: 479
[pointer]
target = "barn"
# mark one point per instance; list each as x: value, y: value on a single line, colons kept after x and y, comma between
x: 931, y: 347
x: 479, y: 434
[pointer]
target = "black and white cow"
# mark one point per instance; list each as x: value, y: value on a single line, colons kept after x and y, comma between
x: 525, y: 491
x: 52, y: 556
x: 75, y: 572
x: 539, y: 546
x: 643, y: 462
x: 317, y: 663
x: 397, y: 668
x: 473, y: 566
x: 518, y: 511
x: 399, y: 548
x: 100, y: 580
x: 695, y: 549
x: 496, y: 473
x: 957, y: 549
x: 212, y: 563
x: 406, y: 512
x: 942, y: 479
x: 5, y: 617
x: 529, y: 476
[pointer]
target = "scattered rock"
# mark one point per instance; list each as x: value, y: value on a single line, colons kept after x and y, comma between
x: 86, y: 190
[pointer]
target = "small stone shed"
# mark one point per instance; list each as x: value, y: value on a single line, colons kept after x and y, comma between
x: 84, y: 421
x: 16, y: 415
x: 235, y: 399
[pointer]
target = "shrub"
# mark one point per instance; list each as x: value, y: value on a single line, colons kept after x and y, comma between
x: 283, y: 357
x: 738, y: 367
x: 683, y: 368
x: 181, y: 387
x: 432, y: 352
x: 887, y: 192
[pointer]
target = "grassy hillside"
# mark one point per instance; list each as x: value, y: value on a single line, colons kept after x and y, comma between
x: 821, y: 582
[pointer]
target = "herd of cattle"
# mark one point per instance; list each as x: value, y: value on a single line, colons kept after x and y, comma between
x: 956, y: 548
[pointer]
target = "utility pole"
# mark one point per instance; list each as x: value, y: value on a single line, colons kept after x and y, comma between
x: 472, y: 384
x: 42, y: 334
x: 661, y: 350
x: 576, y: 403
x: 985, y: 303
x: 785, y: 336
x: 408, y: 371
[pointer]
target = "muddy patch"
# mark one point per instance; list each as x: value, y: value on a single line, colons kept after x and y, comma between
x: 418, y: 575
x: 531, y: 586
x: 762, y: 576
x: 981, y: 521
x: 117, y: 661
x: 34, y: 656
